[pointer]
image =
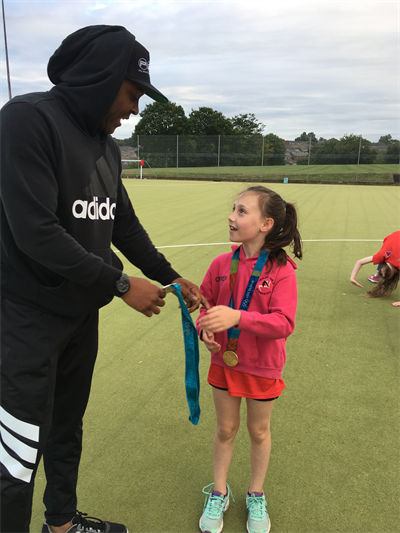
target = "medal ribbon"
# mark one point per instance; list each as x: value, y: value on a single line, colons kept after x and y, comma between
x: 233, y: 333
x: 191, y: 341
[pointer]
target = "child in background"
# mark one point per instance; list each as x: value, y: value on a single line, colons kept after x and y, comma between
x: 253, y: 296
x: 388, y: 258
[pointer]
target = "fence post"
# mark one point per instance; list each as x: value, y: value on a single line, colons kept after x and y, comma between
x: 309, y: 154
x: 358, y: 160
x: 219, y: 147
x: 138, y: 155
x: 177, y: 151
x: 262, y: 157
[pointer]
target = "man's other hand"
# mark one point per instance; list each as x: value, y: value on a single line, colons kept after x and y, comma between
x: 144, y: 297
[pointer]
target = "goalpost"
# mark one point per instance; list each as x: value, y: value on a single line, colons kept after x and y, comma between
x: 140, y: 161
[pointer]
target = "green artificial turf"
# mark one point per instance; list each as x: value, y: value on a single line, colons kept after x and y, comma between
x: 335, y: 430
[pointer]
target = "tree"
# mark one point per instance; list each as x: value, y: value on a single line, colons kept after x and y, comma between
x: 162, y: 119
x: 306, y: 138
x: 207, y: 121
x: 393, y: 152
x: 124, y: 142
x: 246, y: 124
x: 244, y: 148
x: 274, y: 150
x: 380, y: 158
x: 205, y: 125
x: 386, y: 139
x: 325, y: 154
x: 342, y: 152
x: 157, y: 128
x: 349, y: 148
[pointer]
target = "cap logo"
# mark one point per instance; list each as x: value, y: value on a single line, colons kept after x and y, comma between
x: 143, y: 65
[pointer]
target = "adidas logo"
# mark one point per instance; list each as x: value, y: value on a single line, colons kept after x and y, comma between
x: 94, y: 210
x: 101, y: 185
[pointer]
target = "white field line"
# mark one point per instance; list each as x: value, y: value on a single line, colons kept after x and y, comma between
x: 303, y: 240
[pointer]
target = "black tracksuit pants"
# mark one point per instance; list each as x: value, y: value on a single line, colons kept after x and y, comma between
x: 47, y: 365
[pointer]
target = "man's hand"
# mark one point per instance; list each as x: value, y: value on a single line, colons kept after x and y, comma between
x: 220, y: 318
x: 144, y: 297
x: 191, y: 294
x: 208, y: 339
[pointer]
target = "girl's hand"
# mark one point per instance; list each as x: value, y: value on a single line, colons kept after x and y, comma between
x: 354, y: 282
x: 220, y: 318
x: 357, y: 266
x: 211, y: 345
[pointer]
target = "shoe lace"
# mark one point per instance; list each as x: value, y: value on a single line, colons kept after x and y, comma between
x: 90, y: 523
x: 215, y: 504
x: 257, y: 507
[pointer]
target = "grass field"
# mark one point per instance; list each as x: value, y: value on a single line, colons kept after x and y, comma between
x: 335, y: 430
x: 316, y: 173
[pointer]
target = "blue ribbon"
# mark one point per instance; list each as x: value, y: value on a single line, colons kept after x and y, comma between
x: 191, y: 341
x: 255, y: 276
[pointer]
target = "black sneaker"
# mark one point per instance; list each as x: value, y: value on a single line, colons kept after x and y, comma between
x: 81, y: 523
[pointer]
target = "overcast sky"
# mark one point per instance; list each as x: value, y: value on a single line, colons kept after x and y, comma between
x: 331, y: 67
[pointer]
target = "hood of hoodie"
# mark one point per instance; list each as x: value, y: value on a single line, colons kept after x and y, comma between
x: 88, y: 70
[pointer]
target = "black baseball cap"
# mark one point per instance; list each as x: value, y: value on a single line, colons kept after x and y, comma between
x: 138, y: 71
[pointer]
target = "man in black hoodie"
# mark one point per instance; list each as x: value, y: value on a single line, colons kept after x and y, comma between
x: 62, y: 205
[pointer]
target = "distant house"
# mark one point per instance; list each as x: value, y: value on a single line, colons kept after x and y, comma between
x: 378, y: 146
x: 295, y: 150
x: 301, y: 145
x: 128, y: 152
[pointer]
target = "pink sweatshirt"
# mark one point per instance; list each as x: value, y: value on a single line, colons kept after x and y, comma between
x: 267, y: 323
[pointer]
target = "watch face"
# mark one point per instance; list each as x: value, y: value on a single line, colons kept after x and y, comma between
x: 122, y: 285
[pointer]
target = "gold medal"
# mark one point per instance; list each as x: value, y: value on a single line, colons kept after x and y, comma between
x: 230, y: 358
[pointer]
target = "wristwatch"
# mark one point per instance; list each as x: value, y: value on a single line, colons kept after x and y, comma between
x: 122, y: 285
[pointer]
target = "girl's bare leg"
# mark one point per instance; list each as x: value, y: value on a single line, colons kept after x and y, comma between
x: 258, y: 425
x: 228, y: 420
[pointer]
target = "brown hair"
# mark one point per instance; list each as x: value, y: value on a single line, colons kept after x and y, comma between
x: 284, y: 232
x: 388, y: 280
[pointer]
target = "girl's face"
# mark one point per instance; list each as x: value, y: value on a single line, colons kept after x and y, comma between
x: 246, y: 223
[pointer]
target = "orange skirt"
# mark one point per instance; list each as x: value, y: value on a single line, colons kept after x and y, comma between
x: 244, y: 385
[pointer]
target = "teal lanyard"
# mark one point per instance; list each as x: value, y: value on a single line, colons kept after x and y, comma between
x: 191, y: 342
x: 233, y: 333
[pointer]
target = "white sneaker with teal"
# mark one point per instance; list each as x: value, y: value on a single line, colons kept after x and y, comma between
x: 257, y: 520
x: 215, y: 505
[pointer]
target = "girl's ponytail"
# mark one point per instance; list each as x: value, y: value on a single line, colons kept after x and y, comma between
x: 290, y: 230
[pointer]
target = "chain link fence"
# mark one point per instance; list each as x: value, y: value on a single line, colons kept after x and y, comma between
x: 256, y: 158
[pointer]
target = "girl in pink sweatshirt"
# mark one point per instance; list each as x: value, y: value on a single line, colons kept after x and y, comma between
x: 253, y: 296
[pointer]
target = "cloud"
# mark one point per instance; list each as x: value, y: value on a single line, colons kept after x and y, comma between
x: 322, y: 66
x: 96, y: 7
